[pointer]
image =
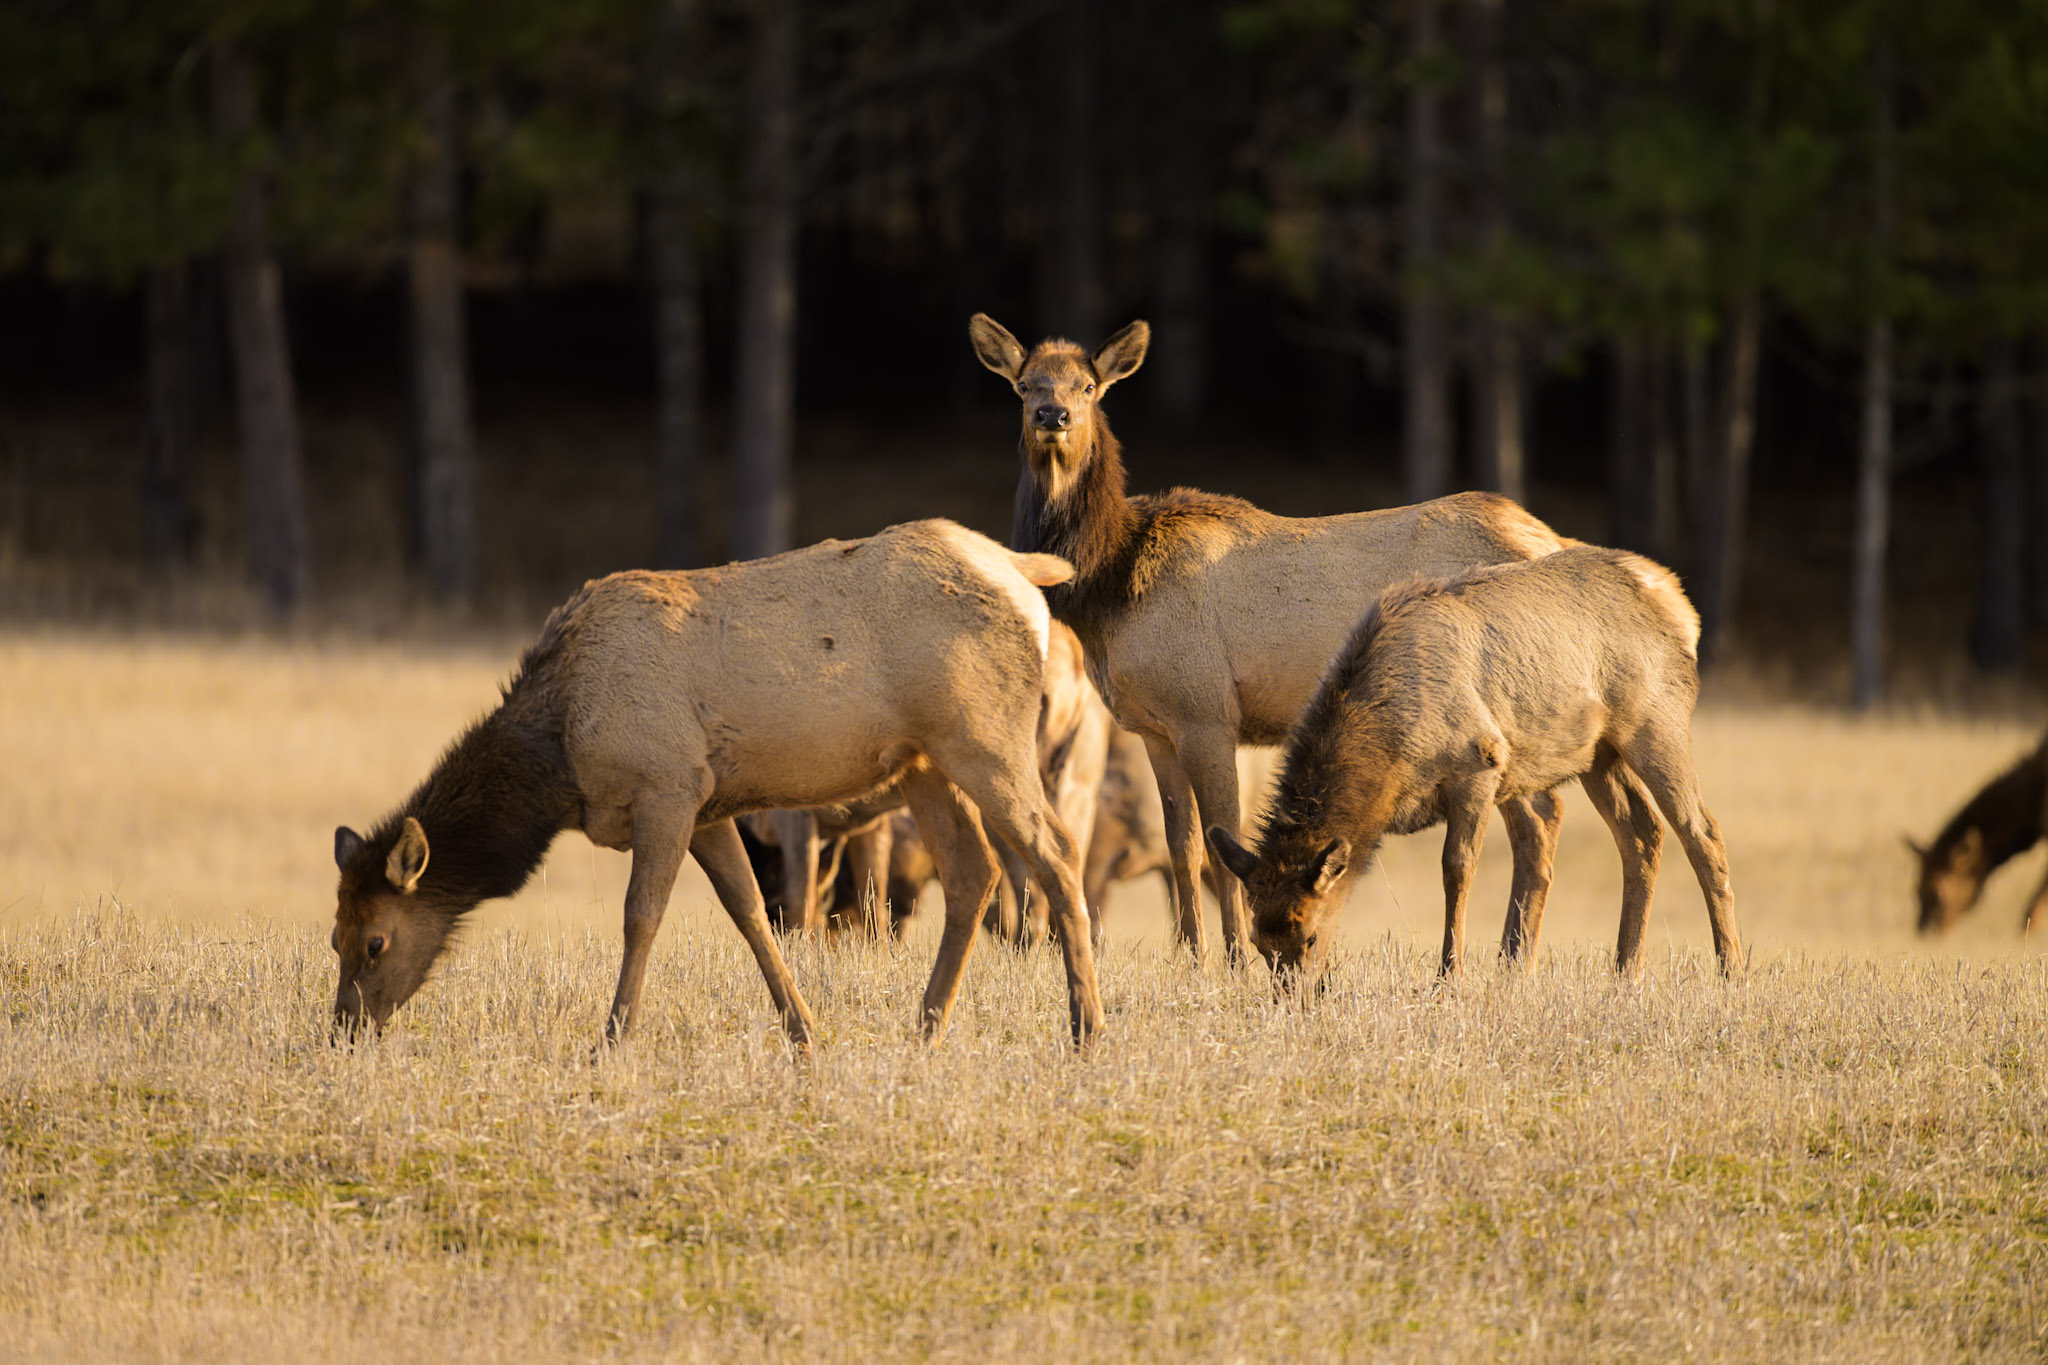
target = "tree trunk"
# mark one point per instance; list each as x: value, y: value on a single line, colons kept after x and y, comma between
x: 1180, y: 259
x: 1424, y: 360
x: 1874, y: 465
x: 444, y: 436
x: 678, y: 312
x: 1497, y: 448
x: 1070, y: 269
x: 1665, y: 470
x: 273, y: 478
x: 764, y: 408
x: 171, y: 377
x: 2000, y: 634
x: 1724, y: 513
x: 1629, y: 501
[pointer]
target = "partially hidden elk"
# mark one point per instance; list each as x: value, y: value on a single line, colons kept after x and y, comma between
x: 657, y: 707
x: 2005, y: 819
x: 1207, y: 622
x: 1074, y: 729
x: 1453, y: 697
x: 798, y: 856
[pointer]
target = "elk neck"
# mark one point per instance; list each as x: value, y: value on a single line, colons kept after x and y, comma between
x: 490, y: 807
x: 1079, y: 512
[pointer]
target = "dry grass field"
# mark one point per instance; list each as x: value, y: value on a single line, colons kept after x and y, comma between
x: 1842, y: 1156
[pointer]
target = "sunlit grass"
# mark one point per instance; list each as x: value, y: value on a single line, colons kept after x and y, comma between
x: 1843, y: 1155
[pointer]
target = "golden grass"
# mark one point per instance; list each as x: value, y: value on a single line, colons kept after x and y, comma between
x: 1843, y: 1156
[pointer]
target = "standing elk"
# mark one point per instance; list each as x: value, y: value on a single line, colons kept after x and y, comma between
x: 1451, y: 698
x: 2005, y: 819
x: 656, y: 707
x: 1207, y: 622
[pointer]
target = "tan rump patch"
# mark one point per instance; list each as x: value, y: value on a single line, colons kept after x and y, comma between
x: 1662, y: 587
x: 999, y: 565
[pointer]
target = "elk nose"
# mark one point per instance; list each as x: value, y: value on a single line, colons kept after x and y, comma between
x: 1051, y: 417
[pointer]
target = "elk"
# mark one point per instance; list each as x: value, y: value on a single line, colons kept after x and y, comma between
x: 1453, y: 697
x: 656, y: 707
x: 2005, y: 819
x: 1073, y: 745
x: 1206, y: 621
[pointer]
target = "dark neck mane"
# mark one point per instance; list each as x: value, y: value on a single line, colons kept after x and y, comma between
x: 1092, y: 525
x: 1336, y: 781
x: 490, y: 808
x: 2008, y: 813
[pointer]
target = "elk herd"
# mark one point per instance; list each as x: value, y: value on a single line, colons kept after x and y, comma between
x: 829, y: 730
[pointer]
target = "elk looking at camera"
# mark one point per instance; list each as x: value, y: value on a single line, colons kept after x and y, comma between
x: 656, y: 707
x: 1453, y: 697
x: 1208, y: 622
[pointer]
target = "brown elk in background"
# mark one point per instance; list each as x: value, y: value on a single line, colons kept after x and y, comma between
x: 1208, y: 622
x: 2005, y: 819
x: 1451, y: 698
x: 656, y: 707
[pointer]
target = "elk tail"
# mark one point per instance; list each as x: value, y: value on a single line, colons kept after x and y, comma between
x: 1042, y: 571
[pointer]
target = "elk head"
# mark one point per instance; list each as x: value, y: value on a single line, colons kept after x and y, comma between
x: 386, y: 933
x: 1289, y: 900
x: 1951, y: 878
x: 1061, y: 387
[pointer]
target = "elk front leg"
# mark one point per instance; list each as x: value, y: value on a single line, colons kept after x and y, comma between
x: 951, y: 827
x: 724, y: 859
x: 1464, y: 833
x: 1183, y: 841
x: 662, y: 827
x: 1532, y: 823
x: 867, y: 858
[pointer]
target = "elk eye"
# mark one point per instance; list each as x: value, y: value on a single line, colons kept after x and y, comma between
x: 1089, y: 389
x: 375, y: 945
x: 1308, y: 942
x: 1020, y: 386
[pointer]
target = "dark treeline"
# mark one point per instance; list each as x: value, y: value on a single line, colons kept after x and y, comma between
x: 1680, y: 212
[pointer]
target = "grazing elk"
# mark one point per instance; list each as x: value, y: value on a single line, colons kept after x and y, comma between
x: 1452, y: 697
x: 1207, y: 622
x: 2005, y: 819
x: 656, y: 707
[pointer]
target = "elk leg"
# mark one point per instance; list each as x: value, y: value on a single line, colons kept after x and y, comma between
x: 1211, y: 763
x: 1663, y: 760
x: 1037, y: 834
x: 2037, y: 910
x: 1532, y: 824
x: 1464, y: 834
x: 1618, y: 796
x: 1183, y: 841
x: 724, y: 859
x: 967, y: 873
x: 867, y: 858
x: 662, y: 826
x: 797, y: 832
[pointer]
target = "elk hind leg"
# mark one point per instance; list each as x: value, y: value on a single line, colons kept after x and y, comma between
x: 1183, y: 842
x: 1618, y: 795
x: 1661, y: 756
x: 724, y: 859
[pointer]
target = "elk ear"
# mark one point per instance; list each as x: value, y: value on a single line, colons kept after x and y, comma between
x: 995, y: 347
x: 1326, y: 867
x: 1122, y: 354
x: 1239, y: 859
x: 408, y: 857
x: 347, y: 843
